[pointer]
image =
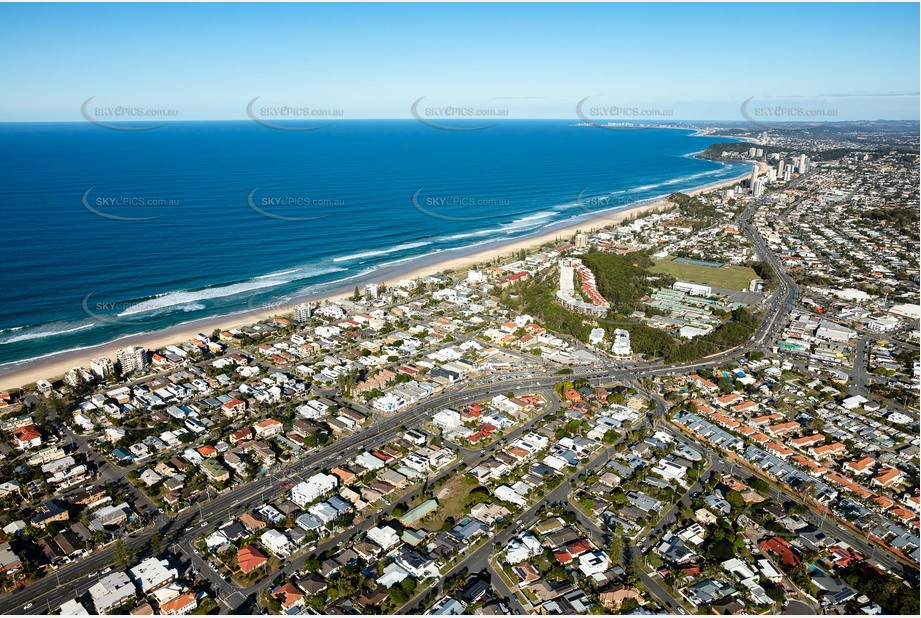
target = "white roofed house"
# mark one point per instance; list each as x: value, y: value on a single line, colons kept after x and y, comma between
x: 152, y: 574
x: 522, y: 548
x: 383, y: 536
x: 111, y: 591
x: 446, y: 419
x: 316, y: 486
x: 276, y: 542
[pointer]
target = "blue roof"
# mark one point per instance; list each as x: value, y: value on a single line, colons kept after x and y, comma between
x: 120, y: 453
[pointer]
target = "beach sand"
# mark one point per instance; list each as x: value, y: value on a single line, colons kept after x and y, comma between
x: 54, y: 366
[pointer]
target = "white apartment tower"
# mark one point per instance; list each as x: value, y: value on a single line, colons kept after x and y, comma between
x: 132, y: 359
x: 372, y: 290
x: 302, y: 312
x: 102, y: 367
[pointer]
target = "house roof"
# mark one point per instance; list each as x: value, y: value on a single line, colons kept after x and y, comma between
x: 250, y: 558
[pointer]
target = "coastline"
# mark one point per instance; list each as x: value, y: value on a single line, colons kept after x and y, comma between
x: 55, y: 365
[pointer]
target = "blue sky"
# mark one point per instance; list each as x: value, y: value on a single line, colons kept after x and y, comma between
x: 372, y: 61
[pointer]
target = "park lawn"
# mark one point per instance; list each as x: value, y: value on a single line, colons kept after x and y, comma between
x: 729, y: 276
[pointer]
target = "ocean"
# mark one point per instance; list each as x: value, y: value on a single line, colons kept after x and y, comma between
x: 110, y: 233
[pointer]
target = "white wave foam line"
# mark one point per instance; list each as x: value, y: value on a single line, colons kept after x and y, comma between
x: 463, y: 235
x: 376, y: 252
x: 674, y: 181
x: 45, y: 331
x: 525, y: 222
x: 186, y: 298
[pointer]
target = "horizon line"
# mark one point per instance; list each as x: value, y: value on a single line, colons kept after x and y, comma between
x: 461, y: 120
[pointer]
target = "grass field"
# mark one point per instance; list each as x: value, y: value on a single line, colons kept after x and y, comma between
x: 729, y: 277
x: 452, y: 498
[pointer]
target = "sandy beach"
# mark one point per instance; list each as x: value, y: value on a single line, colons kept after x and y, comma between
x: 54, y: 366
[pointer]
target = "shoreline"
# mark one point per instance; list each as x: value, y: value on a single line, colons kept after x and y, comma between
x: 56, y: 364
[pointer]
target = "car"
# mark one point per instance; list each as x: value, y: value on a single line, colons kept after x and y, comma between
x: 106, y: 570
x: 27, y: 605
x: 92, y: 575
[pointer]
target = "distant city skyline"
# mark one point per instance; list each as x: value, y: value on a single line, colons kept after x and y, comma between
x: 651, y: 62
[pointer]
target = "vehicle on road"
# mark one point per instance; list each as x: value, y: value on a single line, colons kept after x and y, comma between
x: 106, y: 570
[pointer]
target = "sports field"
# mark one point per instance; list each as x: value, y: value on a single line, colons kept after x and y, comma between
x: 728, y: 276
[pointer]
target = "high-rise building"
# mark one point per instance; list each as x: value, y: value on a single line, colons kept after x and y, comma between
x: 771, y: 174
x: 759, y: 152
x: 372, y: 290
x: 758, y: 187
x: 751, y: 151
x: 780, y: 168
x: 132, y: 359
x: 787, y: 173
x: 801, y: 164
x: 581, y: 241
x: 303, y: 312
x: 566, y: 277
x: 102, y: 367
x: 754, y: 174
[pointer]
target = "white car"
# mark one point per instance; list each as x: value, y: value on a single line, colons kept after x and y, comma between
x: 27, y: 606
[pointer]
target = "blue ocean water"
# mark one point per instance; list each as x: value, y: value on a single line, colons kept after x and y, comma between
x: 110, y: 233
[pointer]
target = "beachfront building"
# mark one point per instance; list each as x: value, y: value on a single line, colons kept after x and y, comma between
x: 132, y: 359
x: 102, y: 367
x: 303, y: 312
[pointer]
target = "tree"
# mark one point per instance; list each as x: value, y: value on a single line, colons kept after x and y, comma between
x: 397, y: 596
x: 156, y: 543
x: 616, y: 550
x: 760, y: 485
x: 123, y: 556
x: 735, y: 499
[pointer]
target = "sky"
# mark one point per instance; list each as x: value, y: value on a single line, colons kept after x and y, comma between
x: 675, y: 61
